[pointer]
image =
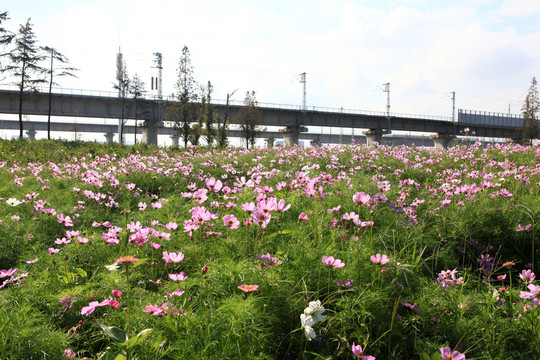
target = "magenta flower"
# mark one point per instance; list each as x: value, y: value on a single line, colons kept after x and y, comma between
x: 379, y: 259
x: 534, y: 294
x: 447, y: 354
x: 172, y: 257
x: 175, y: 293
x: 87, y: 310
x: 231, y: 221
x: 67, y: 301
x: 9, y: 272
x: 359, y: 353
x: 361, y: 198
x: 303, y: 217
x: 527, y: 276
x: 248, y: 288
x: 524, y: 228
x: 178, y: 277
x: 116, y: 293
x: 347, y: 284
x: 335, y: 263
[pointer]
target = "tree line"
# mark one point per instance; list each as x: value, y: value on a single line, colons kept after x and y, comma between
x: 194, y: 117
x: 29, y: 64
x: 192, y: 114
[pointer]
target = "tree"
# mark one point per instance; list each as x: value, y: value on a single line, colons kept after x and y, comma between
x: 24, y: 61
x: 5, y: 35
x: 62, y: 70
x: 183, y: 112
x: 136, y: 90
x: 210, y: 116
x: 223, y: 127
x: 530, y: 109
x: 249, y: 118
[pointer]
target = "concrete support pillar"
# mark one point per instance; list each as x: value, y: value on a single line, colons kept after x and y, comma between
x: 291, y: 133
x: 290, y: 137
x: 150, y: 133
x: 109, y: 137
x: 31, y: 134
x: 174, y: 137
x: 373, y: 136
x: 269, y: 142
x: 441, y: 141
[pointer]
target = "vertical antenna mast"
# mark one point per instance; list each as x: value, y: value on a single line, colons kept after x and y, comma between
x: 387, y: 91
x: 119, y: 78
x: 453, y: 106
x: 304, y: 106
x: 159, y: 88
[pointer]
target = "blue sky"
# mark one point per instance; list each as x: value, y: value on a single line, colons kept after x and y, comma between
x: 485, y: 50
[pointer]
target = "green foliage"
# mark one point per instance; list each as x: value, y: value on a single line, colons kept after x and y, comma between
x: 395, y: 311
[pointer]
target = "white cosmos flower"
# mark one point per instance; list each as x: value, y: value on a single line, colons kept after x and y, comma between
x: 307, y: 324
x: 13, y: 202
x: 315, y: 310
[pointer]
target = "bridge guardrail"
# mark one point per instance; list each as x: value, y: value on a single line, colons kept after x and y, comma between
x: 101, y: 93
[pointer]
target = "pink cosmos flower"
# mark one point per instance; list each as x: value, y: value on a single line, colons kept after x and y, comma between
x: 527, y: 276
x: 142, y: 206
x: 534, y: 294
x: 447, y: 354
x: 359, y: 353
x: 335, y: 263
x: 178, y: 277
x: 32, y: 261
x: 361, y: 198
x: 379, y: 259
x: 248, y: 288
x: 346, y: 284
x: 172, y: 257
x: 53, y: 250
x: 9, y: 272
x: 524, y: 228
x: 303, y: 217
x: 171, y: 226
x: 175, y: 293
x: 231, y: 221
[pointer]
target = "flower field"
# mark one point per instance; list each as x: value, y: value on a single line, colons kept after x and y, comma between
x: 348, y: 252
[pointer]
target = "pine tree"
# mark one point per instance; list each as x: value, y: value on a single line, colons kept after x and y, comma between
x: 136, y: 91
x: 249, y: 118
x: 5, y: 35
x: 183, y: 112
x: 210, y: 116
x: 23, y: 65
x: 530, y: 109
x: 53, y: 72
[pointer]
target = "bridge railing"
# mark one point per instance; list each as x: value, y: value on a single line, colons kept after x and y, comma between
x: 101, y: 93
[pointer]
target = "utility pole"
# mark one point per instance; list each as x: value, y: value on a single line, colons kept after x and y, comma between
x: 304, y: 107
x: 159, y: 87
x: 453, y: 107
x: 120, y: 78
x: 387, y: 91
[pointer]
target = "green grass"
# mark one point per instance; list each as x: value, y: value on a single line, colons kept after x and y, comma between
x: 395, y: 311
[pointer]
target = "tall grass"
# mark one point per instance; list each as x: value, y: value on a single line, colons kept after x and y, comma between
x: 474, y: 210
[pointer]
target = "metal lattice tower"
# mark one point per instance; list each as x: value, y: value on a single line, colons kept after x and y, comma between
x: 303, y: 81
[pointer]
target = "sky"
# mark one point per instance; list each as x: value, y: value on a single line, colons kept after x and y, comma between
x: 486, y: 51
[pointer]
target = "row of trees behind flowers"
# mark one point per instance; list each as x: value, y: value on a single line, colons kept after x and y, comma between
x: 26, y: 63
x: 192, y: 114
x: 194, y: 117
